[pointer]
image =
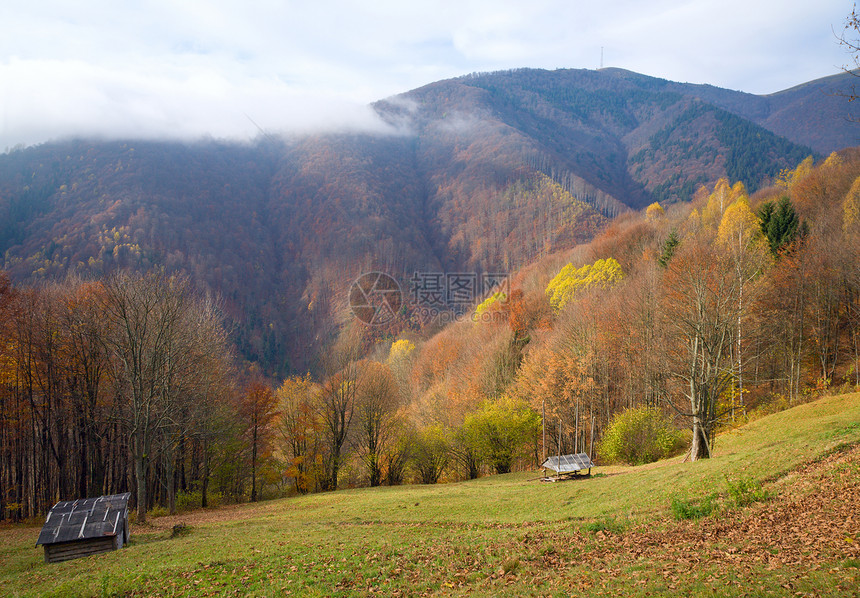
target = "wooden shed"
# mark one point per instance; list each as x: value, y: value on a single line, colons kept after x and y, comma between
x: 567, y: 465
x: 76, y: 528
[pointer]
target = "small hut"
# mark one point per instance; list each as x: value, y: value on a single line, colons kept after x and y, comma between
x: 76, y: 528
x: 567, y: 465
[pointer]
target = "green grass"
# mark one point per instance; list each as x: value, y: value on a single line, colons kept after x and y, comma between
x: 497, y: 535
x: 683, y: 509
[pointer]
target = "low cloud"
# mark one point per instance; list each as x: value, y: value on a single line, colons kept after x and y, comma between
x: 187, y: 68
x: 50, y: 99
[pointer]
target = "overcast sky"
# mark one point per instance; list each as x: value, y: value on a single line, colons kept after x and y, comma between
x: 191, y: 68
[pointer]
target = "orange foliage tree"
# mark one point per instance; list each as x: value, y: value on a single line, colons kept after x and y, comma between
x: 300, y: 430
x: 259, y: 409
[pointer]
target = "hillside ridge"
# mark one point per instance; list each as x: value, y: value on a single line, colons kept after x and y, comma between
x: 281, y: 228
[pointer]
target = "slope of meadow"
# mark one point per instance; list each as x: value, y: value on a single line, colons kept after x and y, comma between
x: 611, y: 534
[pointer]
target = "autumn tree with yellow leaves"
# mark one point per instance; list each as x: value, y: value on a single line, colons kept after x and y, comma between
x: 572, y: 281
x: 740, y: 236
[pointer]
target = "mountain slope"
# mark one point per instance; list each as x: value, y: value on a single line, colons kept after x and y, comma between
x: 611, y: 139
x: 815, y: 114
x: 483, y: 173
x: 614, y: 139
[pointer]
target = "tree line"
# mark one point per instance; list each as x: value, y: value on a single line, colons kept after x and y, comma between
x: 105, y: 387
x: 130, y: 383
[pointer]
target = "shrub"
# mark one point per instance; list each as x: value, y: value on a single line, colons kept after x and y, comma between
x: 607, y: 524
x: 430, y: 454
x: 769, y: 406
x: 693, y: 509
x: 157, y: 511
x: 501, y: 432
x: 638, y: 436
x: 13, y: 510
x: 186, y: 501
x: 745, y: 491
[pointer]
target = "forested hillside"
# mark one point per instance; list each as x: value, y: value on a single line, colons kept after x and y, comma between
x: 480, y: 174
x: 726, y: 307
x: 176, y: 317
x: 729, y: 304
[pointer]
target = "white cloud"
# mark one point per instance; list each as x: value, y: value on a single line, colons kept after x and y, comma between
x: 48, y: 99
x: 186, y: 68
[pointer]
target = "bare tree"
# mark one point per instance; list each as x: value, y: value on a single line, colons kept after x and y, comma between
x: 158, y: 351
x: 38, y: 341
x: 198, y: 361
x: 337, y: 408
x: 377, y: 407
x: 212, y: 378
x: 701, y: 308
x: 338, y: 400
x: 850, y: 40
x: 86, y: 365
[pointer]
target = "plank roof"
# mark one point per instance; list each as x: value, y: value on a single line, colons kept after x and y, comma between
x: 568, y: 463
x: 86, y: 518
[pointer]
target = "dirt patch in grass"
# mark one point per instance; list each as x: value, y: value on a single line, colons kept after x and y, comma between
x: 202, y: 517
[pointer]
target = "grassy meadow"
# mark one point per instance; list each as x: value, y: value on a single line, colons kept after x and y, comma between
x: 612, y: 534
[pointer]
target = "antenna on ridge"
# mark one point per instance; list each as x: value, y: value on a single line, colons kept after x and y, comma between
x: 259, y: 128
x: 601, y: 56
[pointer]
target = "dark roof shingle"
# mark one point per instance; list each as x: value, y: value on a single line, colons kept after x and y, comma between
x: 86, y: 518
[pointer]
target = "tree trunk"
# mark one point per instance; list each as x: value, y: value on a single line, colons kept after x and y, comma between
x: 170, y: 478
x: 330, y: 480
x: 254, y: 466
x: 96, y: 481
x: 700, y: 448
x: 204, y: 486
x: 84, y: 466
x: 739, y: 357
x: 140, y: 479
x: 375, y: 471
